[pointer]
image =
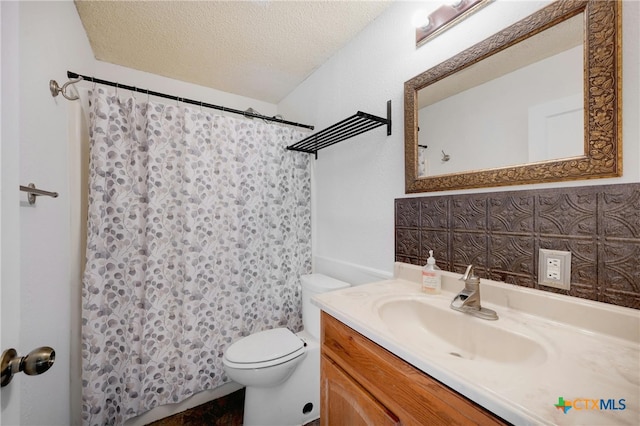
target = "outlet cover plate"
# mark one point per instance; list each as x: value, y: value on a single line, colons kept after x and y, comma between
x: 554, y: 268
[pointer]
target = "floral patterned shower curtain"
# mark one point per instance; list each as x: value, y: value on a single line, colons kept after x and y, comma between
x: 198, y: 230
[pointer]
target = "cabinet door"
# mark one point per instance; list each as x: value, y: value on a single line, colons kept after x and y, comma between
x: 411, y: 395
x: 346, y: 403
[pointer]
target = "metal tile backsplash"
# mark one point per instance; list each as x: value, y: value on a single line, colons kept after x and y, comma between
x: 501, y: 232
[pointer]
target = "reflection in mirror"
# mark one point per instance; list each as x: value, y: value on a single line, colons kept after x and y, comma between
x: 521, y: 105
x: 505, y: 121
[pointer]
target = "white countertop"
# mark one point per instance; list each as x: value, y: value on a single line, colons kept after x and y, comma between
x: 592, y: 349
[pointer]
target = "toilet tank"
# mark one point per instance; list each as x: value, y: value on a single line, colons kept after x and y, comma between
x: 313, y: 284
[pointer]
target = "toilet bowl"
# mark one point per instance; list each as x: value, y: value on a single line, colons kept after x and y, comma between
x: 264, y: 359
x: 280, y: 369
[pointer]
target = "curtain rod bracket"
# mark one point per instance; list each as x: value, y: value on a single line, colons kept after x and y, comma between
x: 56, y: 89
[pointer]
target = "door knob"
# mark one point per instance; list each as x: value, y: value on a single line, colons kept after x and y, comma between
x: 35, y: 362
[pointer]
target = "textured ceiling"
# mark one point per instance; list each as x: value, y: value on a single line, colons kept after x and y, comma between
x: 259, y: 49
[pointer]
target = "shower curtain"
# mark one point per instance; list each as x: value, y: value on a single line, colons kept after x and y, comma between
x: 199, y: 227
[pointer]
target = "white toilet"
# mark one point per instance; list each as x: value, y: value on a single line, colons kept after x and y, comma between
x: 281, y: 370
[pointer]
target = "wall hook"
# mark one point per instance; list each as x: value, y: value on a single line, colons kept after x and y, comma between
x: 34, y: 192
x: 56, y: 89
x: 445, y: 157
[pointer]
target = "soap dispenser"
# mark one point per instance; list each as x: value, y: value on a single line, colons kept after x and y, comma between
x: 431, y: 276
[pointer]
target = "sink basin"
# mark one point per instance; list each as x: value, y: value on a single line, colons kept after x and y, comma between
x: 436, y: 328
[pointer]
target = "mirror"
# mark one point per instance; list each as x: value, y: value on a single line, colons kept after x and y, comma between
x: 563, y: 124
x: 521, y: 105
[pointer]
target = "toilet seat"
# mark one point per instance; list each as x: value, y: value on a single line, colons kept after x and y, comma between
x: 264, y: 349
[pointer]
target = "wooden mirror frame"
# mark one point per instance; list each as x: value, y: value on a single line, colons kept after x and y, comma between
x: 602, y: 91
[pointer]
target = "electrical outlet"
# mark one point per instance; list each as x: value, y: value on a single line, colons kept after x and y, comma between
x: 554, y: 268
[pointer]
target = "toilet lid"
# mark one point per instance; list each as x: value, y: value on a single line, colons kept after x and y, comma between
x: 264, y: 346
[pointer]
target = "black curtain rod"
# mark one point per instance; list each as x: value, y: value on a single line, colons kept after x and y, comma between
x: 74, y: 75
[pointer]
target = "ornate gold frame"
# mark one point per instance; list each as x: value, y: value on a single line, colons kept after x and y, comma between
x: 603, y: 101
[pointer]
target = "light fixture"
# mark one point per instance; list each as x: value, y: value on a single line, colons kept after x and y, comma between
x: 445, y: 17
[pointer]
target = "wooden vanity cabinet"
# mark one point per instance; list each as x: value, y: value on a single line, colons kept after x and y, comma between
x: 364, y: 384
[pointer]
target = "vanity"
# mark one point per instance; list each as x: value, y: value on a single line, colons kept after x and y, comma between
x: 394, y: 355
x: 364, y: 384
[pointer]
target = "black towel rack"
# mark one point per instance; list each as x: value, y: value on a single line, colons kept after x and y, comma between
x: 349, y: 127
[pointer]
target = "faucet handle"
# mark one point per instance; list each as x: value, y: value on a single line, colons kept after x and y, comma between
x: 468, y: 273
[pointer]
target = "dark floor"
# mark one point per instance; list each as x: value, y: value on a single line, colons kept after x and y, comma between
x: 225, y: 411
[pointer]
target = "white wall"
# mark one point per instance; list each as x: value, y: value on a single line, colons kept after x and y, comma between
x: 356, y: 181
x: 48, y: 46
x: 51, y: 40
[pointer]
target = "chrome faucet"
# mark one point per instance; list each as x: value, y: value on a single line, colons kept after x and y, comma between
x: 468, y: 300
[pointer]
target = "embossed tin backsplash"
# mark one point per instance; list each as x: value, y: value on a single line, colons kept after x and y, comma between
x: 501, y: 232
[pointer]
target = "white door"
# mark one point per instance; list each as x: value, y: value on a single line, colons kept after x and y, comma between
x: 34, y: 250
x: 9, y: 203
